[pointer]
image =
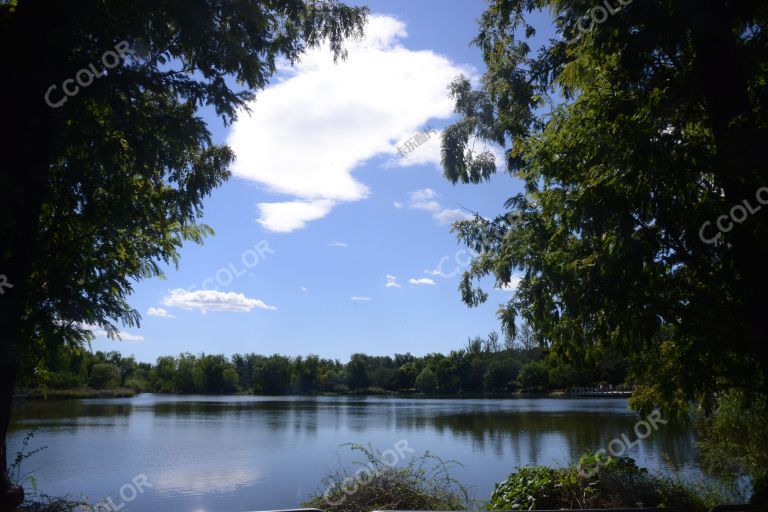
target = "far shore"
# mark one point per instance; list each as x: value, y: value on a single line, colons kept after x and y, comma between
x: 83, y: 393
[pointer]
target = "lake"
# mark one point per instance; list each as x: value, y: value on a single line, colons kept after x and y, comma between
x: 240, y: 453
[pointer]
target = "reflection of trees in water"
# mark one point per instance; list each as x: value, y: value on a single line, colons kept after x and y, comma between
x: 526, y: 435
x: 32, y: 410
x: 529, y: 436
x: 279, y: 416
x: 68, y: 415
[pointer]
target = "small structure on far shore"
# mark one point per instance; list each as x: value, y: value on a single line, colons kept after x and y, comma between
x: 599, y: 392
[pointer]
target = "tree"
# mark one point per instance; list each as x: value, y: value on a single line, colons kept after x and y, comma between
x: 357, y: 372
x: 643, y: 148
x: 492, y: 343
x: 273, y: 375
x: 501, y: 373
x: 534, y: 376
x: 406, y: 375
x: 307, y: 371
x: 104, y: 375
x: 101, y: 186
x: 426, y: 380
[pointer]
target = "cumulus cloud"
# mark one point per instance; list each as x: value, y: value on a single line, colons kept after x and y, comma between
x: 392, y: 281
x: 426, y: 199
x: 426, y: 153
x: 98, y: 332
x: 423, y: 199
x: 336, y: 243
x: 289, y: 216
x: 512, y: 285
x: 359, y: 299
x: 422, y: 281
x: 449, y: 216
x: 307, y: 133
x: 212, y: 300
x: 159, y: 312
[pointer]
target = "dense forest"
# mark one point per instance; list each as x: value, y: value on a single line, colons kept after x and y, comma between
x: 484, y: 365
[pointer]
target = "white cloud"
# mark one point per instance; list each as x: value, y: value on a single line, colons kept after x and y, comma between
x: 426, y: 199
x: 427, y: 153
x: 126, y: 336
x: 212, y: 300
x: 448, y: 216
x: 392, y: 281
x: 359, y: 299
x: 308, y: 132
x: 512, y: 285
x: 422, y: 281
x: 435, y: 272
x: 292, y: 215
x: 98, y: 332
x: 423, y: 199
x: 336, y: 243
x: 304, y: 289
x: 159, y: 312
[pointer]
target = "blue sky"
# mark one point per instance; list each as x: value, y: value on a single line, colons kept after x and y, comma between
x: 327, y: 240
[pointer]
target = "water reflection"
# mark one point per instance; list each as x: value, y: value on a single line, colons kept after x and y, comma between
x: 245, y: 452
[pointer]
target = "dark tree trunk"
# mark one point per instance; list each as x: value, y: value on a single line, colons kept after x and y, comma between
x: 11, y: 496
x: 26, y: 148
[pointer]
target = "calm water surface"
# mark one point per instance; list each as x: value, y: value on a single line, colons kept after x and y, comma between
x: 239, y: 453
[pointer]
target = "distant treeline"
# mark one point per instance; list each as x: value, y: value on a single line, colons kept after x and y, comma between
x: 484, y: 366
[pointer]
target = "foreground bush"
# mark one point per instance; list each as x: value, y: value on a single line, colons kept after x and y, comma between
x: 597, y: 482
x: 379, y: 484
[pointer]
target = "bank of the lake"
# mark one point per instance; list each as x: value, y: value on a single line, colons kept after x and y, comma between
x: 252, y: 452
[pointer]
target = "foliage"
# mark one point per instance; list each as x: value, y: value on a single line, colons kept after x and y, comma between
x: 426, y: 381
x: 534, y: 376
x: 424, y: 483
x: 626, y: 140
x: 594, y: 482
x: 14, y: 469
x: 734, y: 440
x: 44, y: 503
x: 128, y: 161
x: 74, y: 373
x: 104, y: 375
x: 101, y: 189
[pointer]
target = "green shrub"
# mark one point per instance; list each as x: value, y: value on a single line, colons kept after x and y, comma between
x: 423, y: 484
x: 594, y: 482
x: 426, y: 381
x: 63, y: 380
x: 136, y: 384
x: 104, y: 376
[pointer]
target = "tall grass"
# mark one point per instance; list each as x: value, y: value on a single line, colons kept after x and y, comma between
x: 424, y: 483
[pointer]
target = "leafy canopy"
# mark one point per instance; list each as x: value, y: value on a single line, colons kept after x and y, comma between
x: 102, y: 190
x: 627, y: 139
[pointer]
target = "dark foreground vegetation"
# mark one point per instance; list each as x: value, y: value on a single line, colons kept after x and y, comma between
x: 484, y: 366
x: 592, y: 482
